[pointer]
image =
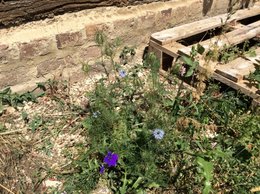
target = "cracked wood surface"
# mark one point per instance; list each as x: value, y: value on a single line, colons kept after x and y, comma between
x: 15, y: 12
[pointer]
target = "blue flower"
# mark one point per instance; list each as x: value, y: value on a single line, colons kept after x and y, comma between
x: 111, y: 159
x: 158, y: 134
x: 122, y: 73
x: 95, y: 114
x: 102, y: 169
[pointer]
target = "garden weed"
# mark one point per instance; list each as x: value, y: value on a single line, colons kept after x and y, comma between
x: 140, y: 140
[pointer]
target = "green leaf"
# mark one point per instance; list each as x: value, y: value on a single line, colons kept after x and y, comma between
x: 25, y: 116
x: 207, y: 171
x: 36, y: 123
x: 189, y: 72
x: 6, y: 91
x: 153, y: 185
x: 87, y: 123
x: 1, y: 108
x: 41, y: 86
x: 2, y: 127
x: 200, y: 49
x: 100, y: 38
x: 187, y: 60
x: 137, y: 182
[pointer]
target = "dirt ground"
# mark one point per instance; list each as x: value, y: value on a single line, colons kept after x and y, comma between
x: 37, y: 138
x: 38, y: 141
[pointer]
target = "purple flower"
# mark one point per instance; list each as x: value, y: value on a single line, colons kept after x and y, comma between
x: 102, y: 169
x: 111, y: 159
x: 158, y: 134
x: 122, y: 73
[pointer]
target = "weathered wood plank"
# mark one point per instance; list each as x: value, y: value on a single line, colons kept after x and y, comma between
x: 244, y: 86
x: 236, y: 70
x: 170, y: 49
x: 16, y: 11
x: 237, y: 82
x: 255, y: 59
x: 240, y: 84
x: 187, y: 30
x: 231, y: 74
x: 234, y: 37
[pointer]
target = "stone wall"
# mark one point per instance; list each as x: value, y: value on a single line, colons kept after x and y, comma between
x: 44, y: 49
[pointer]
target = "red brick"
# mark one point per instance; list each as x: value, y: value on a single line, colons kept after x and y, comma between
x: 8, y: 53
x: 147, y: 21
x: 77, y: 76
x: 3, y: 53
x: 166, y: 13
x: 51, y: 65
x: 14, y: 74
x: 69, y: 39
x: 165, y: 17
x: 125, y: 25
x: 69, y: 61
x: 35, y: 48
x: 8, y: 79
x: 92, y: 29
x: 180, y: 15
x: 92, y: 52
x: 48, y: 66
x: 126, y: 29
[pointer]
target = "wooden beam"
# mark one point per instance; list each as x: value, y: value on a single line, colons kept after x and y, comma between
x: 236, y: 70
x: 13, y: 12
x: 234, y: 37
x: 244, y: 86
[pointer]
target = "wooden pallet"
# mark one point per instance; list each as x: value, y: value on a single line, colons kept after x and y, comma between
x: 168, y: 46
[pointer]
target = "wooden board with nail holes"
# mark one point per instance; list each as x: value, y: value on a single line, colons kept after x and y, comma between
x: 180, y: 32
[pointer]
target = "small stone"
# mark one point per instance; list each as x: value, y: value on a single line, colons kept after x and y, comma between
x: 10, y: 110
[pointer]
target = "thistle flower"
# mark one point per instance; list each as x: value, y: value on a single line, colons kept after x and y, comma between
x: 182, y: 70
x: 122, y: 73
x: 111, y: 159
x: 158, y: 134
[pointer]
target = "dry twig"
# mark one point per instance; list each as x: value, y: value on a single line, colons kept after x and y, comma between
x: 11, y: 132
x: 6, y: 189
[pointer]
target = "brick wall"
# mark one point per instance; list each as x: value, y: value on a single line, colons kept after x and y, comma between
x: 28, y: 56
